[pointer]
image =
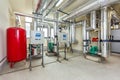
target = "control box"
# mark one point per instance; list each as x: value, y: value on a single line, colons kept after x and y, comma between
x: 63, y: 37
x: 37, y: 37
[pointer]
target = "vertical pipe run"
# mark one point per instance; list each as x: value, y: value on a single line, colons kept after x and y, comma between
x: 70, y: 33
x: 73, y: 32
x: 87, y: 38
x: 55, y: 32
x: 99, y: 44
x: 104, y: 31
x: 35, y: 23
x: 105, y: 23
x: 109, y: 31
x: 84, y: 36
x: 102, y: 26
x: 93, y: 19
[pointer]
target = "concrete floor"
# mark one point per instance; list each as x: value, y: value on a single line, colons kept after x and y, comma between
x: 77, y: 68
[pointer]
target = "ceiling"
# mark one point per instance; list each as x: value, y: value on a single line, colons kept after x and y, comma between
x: 116, y: 7
x: 27, y: 6
x: 24, y: 6
x: 75, y: 5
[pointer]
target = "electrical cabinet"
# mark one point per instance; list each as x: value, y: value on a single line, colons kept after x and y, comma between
x: 115, y: 46
x: 37, y: 37
x: 63, y: 37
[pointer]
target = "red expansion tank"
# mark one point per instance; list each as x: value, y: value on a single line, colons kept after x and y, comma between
x: 16, y: 44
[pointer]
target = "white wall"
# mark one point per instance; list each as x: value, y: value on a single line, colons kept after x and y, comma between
x: 78, y: 46
x: 4, y: 23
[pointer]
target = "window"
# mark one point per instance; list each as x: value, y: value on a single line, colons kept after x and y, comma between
x: 27, y: 27
x: 28, y: 21
x: 45, y: 32
x: 52, y: 32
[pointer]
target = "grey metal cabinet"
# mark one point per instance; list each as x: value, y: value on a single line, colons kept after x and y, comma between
x: 115, y: 46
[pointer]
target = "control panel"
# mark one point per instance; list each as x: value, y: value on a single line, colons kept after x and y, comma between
x: 63, y: 37
x: 37, y: 37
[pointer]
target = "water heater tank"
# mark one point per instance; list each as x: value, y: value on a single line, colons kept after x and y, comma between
x: 16, y: 44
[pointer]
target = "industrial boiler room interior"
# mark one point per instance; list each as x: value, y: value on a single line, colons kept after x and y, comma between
x: 59, y: 39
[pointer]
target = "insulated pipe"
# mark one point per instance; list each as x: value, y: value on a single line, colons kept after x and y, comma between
x: 86, y: 8
x: 104, y: 31
x: 70, y: 33
x: 55, y: 33
x: 38, y: 6
x: 51, y: 8
x: 31, y: 16
x: 35, y: 23
x: 43, y: 3
x: 47, y: 5
x: 84, y: 36
x: 73, y: 32
x: 65, y: 4
x: 99, y: 37
x: 92, y: 21
x: 87, y: 38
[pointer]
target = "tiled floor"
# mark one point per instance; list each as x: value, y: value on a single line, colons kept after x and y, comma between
x: 37, y: 62
x: 77, y: 68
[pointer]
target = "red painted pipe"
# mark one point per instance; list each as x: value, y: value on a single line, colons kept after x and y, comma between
x: 38, y: 5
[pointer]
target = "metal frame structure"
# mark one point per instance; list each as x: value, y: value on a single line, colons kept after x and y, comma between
x: 30, y: 57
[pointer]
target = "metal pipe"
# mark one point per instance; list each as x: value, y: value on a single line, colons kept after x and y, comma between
x: 99, y: 37
x: 92, y: 21
x: 48, y: 28
x: 42, y: 6
x: 35, y: 23
x: 72, y: 32
x: 47, y: 6
x: 38, y: 6
x: 31, y: 16
x: 62, y: 12
x: 109, y: 30
x: 51, y: 8
x: 65, y: 4
x: 104, y: 31
x: 55, y: 33
x: 84, y: 36
x: 87, y: 38
x: 89, y: 6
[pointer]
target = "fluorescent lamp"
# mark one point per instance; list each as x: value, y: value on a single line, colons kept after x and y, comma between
x: 59, y: 2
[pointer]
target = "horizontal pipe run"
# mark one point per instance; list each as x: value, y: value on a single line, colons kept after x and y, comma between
x: 31, y: 16
x: 62, y: 12
x: 38, y: 5
x: 65, y: 4
x: 51, y: 8
x: 86, y: 8
x: 47, y: 6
